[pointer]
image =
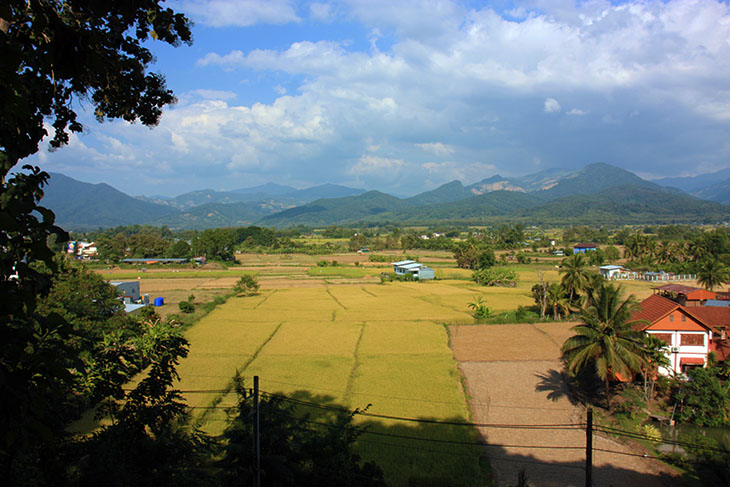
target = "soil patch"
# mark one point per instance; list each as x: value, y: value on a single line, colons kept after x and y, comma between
x: 513, y: 376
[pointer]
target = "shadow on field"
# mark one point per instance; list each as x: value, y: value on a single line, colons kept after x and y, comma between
x: 426, y: 453
x: 554, y: 383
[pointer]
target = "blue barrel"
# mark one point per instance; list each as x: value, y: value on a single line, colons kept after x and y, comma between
x: 159, y: 301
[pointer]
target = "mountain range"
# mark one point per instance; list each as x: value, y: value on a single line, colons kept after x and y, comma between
x: 597, y: 194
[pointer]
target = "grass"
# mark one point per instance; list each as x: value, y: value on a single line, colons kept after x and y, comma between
x: 173, y: 274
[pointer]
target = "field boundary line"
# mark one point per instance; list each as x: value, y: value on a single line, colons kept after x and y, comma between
x: 552, y: 339
x: 266, y: 298
x: 355, y: 364
x: 368, y: 292
x: 228, y: 388
x: 327, y: 289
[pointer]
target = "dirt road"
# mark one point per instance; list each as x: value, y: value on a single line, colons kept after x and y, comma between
x: 513, y: 377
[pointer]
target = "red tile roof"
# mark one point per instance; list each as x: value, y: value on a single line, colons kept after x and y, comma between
x: 653, y: 309
x: 678, y: 288
x: 714, y: 316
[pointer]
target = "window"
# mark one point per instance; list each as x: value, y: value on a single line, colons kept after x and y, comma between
x: 694, y: 339
x: 671, y: 317
x: 684, y: 318
x: 665, y: 337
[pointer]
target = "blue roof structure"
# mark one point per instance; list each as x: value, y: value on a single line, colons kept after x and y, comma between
x: 718, y: 303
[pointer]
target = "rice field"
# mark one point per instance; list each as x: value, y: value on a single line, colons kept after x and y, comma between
x: 384, y: 347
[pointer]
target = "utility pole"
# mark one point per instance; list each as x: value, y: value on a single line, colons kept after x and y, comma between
x: 256, y: 432
x: 589, y: 448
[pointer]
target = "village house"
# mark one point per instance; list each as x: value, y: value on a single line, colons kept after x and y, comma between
x: 415, y: 269
x: 582, y: 248
x: 690, y: 330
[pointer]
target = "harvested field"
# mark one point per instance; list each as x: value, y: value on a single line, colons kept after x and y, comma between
x: 513, y: 377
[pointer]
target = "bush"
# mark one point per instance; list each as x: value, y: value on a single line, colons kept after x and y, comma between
x: 186, y: 307
x: 495, y: 277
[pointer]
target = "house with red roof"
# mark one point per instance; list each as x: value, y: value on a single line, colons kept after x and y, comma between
x: 687, y: 335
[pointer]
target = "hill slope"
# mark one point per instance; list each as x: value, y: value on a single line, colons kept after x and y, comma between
x: 337, y: 210
x: 84, y: 206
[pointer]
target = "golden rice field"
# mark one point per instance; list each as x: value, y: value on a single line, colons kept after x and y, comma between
x: 381, y: 346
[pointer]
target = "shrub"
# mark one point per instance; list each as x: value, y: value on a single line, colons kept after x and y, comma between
x: 495, y: 277
x: 186, y: 307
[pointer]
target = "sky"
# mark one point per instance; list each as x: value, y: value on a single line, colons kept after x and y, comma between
x: 403, y: 96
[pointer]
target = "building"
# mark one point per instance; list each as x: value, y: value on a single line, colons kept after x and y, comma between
x: 413, y: 268
x: 128, y: 290
x: 582, y: 248
x: 685, y: 295
x: 688, y: 336
x: 611, y: 271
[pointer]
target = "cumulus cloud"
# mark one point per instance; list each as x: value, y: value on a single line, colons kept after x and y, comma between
x: 576, y: 111
x: 243, y: 13
x: 552, y: 105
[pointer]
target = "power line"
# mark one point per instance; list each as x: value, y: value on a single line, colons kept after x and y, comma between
x: 450, y: 442
x: 426, y: 421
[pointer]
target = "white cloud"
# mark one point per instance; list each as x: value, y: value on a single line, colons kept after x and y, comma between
x: 222, y: 13
x: 214, y: 94
x: 437, y: 148
x: 322, y: 12
x: 280, y: 89
x: 373, y: 165
x: 552, y: 105
x: 576, y: 111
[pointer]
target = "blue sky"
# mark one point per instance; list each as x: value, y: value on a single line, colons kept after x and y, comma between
x: 403, y: 96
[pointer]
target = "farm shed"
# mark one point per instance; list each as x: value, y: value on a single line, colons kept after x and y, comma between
x: 611, y: 271
x: 582, y: 248
x: 129, y: 290
x: 419, y: 271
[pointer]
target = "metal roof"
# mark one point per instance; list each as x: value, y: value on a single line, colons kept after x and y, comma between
x: 403, y: 262
x: 611, y: 267
x: 718, y: 303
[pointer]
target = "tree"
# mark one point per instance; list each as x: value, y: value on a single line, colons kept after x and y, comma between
x: 247, y: 285
x: 53, y: 53
x: 605, y: 339
x: 575, y: 275
x: 555, y: 299
x: 466, y: 255
x: 324, y: 456
x: 612, y: 253
x: 705, y: 399
x: 486, y: 259
x: 712, y: 273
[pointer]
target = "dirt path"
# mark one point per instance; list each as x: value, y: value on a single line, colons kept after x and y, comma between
x: 513, y: 377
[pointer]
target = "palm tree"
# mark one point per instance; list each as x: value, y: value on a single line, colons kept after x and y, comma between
x: 556, y: 300
x: 605, y: 338
x: 712, y: 273
x: 575, y: 278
